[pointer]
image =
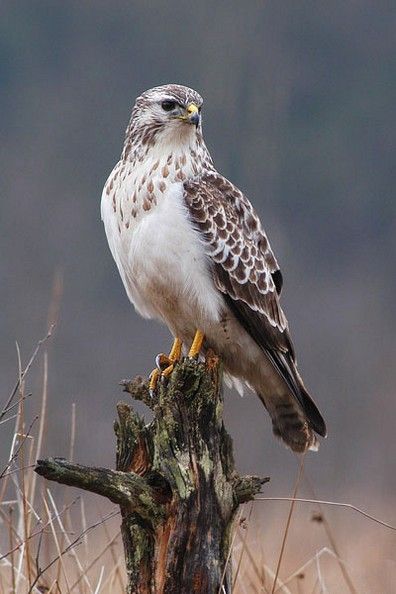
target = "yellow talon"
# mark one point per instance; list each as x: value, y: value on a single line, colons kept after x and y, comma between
x: 196, y: 344
x: 168, y: 370
x: 165, y: 364
x: 154, y: 377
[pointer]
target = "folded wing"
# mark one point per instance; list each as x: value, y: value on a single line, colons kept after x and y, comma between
x: 246, y: 272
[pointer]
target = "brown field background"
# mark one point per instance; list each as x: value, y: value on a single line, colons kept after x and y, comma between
x: 299, y: 113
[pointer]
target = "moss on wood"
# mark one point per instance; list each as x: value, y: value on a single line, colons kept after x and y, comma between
x: 175, y: 483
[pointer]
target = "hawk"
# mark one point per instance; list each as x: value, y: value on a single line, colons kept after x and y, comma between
x: 192, y: 253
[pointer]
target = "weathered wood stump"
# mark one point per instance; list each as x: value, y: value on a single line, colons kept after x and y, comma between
x: 175, y: 483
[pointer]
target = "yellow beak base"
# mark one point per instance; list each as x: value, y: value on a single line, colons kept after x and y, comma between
x: 192, y: 114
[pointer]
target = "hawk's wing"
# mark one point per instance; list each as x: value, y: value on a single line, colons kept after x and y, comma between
x: 244, y: 267
x: 247, y: 273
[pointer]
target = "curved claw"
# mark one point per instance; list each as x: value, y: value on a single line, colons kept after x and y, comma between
x: 154, y: 378
x: 165, y: 365
x: 162, y: 361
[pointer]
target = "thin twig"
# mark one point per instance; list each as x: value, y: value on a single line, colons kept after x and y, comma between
x: 15, y: 453
x: 39, y: 531
x: 22, y: 375
x: 322, y: 584
x: 60, y: 557
x: 329, y: 532
x: 73, y: 544
x: 113, y: 576
x: 334, y: 503
x: 37, y: 559
x: 74, y: 554
x: 41, y: 424
x: 11, y: 544
x: 24, y: 436
x: 243, y: 547
x: 24, y: 487
x: 100, y: 580
x: 14, y: 470
x: 16, y: 404
x: 8, y: 419
x: 297, y: 484
x: 221, y: 587
x: 84, y: 525
x: 113, y: 556
x: 94, y: 561
x: 20, y: 576
x: 259, y: 574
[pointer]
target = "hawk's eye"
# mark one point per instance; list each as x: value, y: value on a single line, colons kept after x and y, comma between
x: 168, y: 105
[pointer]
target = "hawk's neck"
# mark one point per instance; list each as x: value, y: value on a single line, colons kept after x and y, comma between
x: 146, y: 173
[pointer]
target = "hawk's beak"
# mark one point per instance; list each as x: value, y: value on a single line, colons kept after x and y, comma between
x: 192, y: 114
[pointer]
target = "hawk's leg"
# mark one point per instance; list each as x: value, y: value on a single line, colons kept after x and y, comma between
x: 165, y: 363
x: 196, y: 344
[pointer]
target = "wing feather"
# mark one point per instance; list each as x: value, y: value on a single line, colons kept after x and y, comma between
x: 246, y: 272
x: 244, y: 266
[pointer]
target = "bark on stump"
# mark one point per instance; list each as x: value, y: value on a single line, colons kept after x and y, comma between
x: 175, y: 483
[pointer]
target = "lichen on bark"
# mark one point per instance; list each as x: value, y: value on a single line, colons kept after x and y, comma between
x: 175, y: 483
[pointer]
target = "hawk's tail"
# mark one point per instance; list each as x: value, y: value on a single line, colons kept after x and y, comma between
x: 292, y: 427
x: 295, y: 416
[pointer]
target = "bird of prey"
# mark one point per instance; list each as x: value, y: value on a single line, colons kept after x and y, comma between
x: 192, y: 253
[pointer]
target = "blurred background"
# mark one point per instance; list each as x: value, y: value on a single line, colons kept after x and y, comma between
x: 300, y: 113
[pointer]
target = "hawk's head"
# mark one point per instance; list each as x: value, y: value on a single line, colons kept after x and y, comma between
x: 169, y: 111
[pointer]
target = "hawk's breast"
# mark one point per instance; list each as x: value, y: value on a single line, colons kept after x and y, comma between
x: 160, y: 256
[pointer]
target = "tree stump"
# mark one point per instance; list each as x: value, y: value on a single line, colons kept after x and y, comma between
x: 175, y: 483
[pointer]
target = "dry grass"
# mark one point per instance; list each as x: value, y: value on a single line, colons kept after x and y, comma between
x: 49, y: 545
